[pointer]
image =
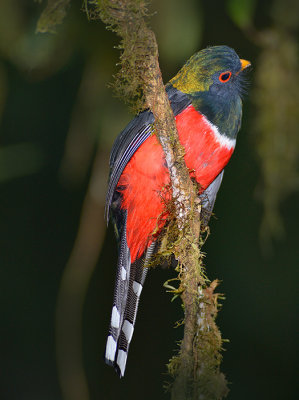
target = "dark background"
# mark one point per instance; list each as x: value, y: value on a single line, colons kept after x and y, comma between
x: 58, y: 124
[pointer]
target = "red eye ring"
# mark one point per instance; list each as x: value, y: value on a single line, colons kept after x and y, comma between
x: 225, y: 76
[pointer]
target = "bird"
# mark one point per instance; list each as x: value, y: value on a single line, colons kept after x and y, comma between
x: 206, y: 100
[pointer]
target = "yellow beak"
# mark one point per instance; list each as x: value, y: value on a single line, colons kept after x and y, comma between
x: 245, y: 64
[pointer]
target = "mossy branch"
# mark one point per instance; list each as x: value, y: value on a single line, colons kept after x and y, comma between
x: 196, y: 369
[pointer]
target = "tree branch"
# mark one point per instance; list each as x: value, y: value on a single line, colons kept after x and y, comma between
x: 196, y: 368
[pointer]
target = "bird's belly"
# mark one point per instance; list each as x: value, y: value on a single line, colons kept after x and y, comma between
x: 145, y: 180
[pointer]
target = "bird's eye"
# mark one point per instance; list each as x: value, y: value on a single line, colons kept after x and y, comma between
x: 225, y: 76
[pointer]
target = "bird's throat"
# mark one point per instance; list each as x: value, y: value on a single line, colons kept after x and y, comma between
x: 225, y: 114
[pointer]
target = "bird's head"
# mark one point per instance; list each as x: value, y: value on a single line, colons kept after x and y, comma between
x: 217, y: 70
x: 213, y: 79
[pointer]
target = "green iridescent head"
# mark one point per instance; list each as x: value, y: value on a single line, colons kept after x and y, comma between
x: 217, y: 66
x: 213, y: 79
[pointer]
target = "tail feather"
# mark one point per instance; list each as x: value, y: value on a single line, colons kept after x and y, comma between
x: 129, y: 283
x: 120, y: 297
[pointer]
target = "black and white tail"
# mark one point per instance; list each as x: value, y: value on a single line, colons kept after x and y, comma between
x: 130, y: 280
x: 129, y: 283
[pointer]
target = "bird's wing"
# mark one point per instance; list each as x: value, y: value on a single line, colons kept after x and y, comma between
x: 132, y: 137
x: 129, y: 140
x: 208, y: 198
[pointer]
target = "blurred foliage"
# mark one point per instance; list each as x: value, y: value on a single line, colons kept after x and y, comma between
x: 3, y: 88
x: 178, y: 28
x: 39, y: 55
x: 19, y: 160
x: 276, y: 97
x: 277, y: 119
x: 52, y: 15
x: 241, y: 12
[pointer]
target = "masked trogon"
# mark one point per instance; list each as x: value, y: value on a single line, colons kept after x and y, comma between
x: 205, y: 97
